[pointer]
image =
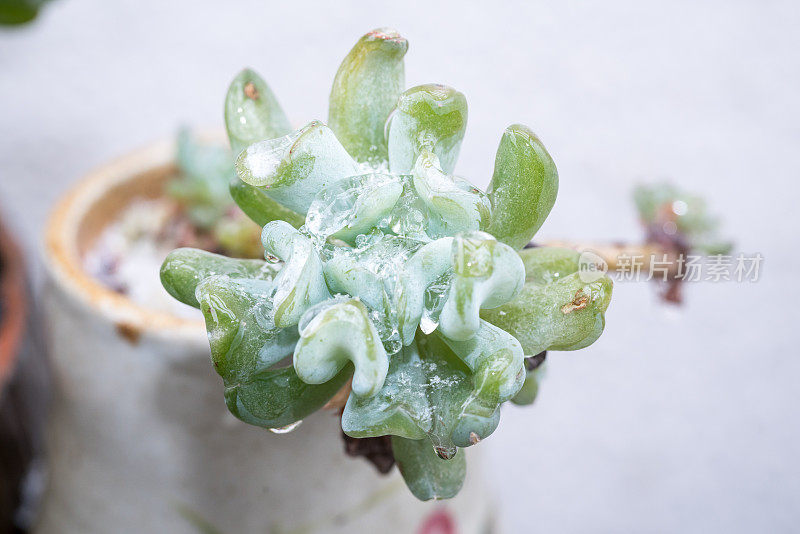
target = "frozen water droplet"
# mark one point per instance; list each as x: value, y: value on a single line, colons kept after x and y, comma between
x: 473, y: 253
x: 446, y: 453
x: 435, y: 297
x: 407, y: 218
x: 427, y: 325
x: 337, y: 206
x: 286, y: 429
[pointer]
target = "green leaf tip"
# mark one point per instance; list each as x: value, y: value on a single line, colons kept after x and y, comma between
x: 364, y: 92
x: 252, y: 112
x: 184, y: 268
x: 426, y: 474
x: 427, y: 117
x: 523, y: 187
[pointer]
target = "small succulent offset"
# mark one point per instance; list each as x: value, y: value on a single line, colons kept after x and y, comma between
x: 201, y: 189
x: 384, y: 270
x: 678, y: 218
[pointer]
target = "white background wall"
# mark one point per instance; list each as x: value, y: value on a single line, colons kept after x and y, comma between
x: 676, y: 420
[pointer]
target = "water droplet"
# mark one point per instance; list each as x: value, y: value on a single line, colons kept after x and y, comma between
x: 286, y: 429
x: 445, y: 452
x: 427, y: 325
x: 435, y: 297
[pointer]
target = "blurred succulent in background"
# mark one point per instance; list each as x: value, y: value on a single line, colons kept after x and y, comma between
x: 678, y: 218
x: 13, y: 12
x: 388, y: 280
x: 201, y: 189
x: 677, y: 224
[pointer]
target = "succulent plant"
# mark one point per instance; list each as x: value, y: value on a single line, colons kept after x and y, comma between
x: 13, y: 12
x: 678, y: 219
x: 385, y: 271
x: 201, y: 189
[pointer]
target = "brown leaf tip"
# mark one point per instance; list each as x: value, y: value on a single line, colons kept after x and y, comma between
x: 386, y: 34
x: 250, y: 91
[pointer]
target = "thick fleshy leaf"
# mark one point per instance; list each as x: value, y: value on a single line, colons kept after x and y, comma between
x: 352, y: 206
x: 426, y: 475
x: 277, y: 398
x: 454, y: 205
x: 400, y: 407
x: 184, y: 268
x: 566, y: 314
x: 300, y: 284
x: 530, y: 389
x: 427, y: 117
x: 497, y: 360
x: 257, y: 205
x: 365, y: 90
x: 523, y: 188
x: 467, y: 408
x: 544, y: 265
x: 252, y: 112
x: 243, y: 337
x: 246, y: 345
x: 293, y: 168
x: 429, y: 392
x: 335, y: 332
x: 487, y: 273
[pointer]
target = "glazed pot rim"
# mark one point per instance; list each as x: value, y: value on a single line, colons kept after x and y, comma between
x: 62, y: 257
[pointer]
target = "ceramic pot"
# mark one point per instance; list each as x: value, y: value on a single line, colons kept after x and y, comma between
x: 140, y: 439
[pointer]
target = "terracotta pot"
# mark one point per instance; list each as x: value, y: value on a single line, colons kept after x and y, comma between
x: 23, y: 390
x: 140, y: 439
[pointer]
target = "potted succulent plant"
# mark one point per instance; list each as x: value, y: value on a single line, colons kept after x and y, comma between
x: 393, y: 295
x: 404, y: 284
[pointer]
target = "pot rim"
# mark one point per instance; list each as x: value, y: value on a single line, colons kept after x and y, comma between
x: 62, y: 258
x: 13, y: 292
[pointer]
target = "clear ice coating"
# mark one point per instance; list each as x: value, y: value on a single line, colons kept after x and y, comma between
x: 408, y: 216
x: 263, y: 159
x: 352, y: 207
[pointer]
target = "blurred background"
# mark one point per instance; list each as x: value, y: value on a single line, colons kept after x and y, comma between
x: 678, y: 418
